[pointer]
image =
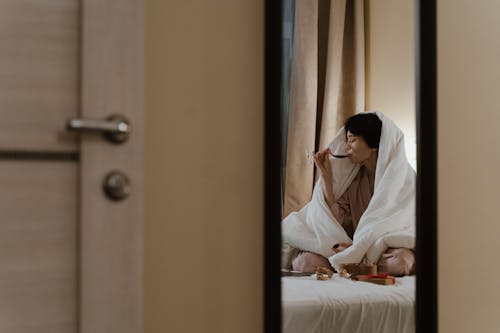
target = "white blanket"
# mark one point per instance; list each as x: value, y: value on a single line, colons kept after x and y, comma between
x: 389, y: 220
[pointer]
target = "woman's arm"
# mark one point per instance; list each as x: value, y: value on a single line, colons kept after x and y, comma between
x: 322, y: 161
x: 340, y: 208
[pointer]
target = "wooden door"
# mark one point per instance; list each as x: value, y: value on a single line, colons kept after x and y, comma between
x: 70, y: 259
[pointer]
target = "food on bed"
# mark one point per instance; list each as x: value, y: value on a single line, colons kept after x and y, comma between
x: 325, y: 270
x: 323, y: 273
x: 355, y: 269
x: 344, y: 273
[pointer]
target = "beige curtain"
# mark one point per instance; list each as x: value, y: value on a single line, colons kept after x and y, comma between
x: 327, y: 85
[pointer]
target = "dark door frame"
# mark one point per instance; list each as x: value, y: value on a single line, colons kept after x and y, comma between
x: 426, y: 203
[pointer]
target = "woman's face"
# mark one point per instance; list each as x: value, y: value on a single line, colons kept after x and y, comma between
x: 357, y: 149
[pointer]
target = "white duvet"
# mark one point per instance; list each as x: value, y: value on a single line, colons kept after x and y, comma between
x: 389, y: 220
x: 344, y: 306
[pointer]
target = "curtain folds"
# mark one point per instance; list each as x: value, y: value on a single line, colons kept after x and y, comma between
x: 326, y: 85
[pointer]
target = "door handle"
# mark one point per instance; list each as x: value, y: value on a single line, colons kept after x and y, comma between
x: 115, y: 128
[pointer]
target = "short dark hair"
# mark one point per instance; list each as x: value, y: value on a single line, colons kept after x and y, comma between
x: 366, y: 125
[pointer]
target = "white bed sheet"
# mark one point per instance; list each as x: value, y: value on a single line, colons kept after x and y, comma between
x: 344, y: 306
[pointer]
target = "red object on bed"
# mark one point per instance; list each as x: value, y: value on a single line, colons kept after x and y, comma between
x: 381, y: 278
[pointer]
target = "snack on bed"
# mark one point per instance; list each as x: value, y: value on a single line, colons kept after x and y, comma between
x: 383, y: 278
x: 343, y: 273
x: 324, y: 270
x: 358, y: 269
x: 323, y: 273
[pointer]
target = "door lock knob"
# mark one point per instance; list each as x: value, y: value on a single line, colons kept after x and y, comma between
x: 116, y: 186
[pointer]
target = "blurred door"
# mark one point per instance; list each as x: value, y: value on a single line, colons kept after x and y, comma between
x: 70, y: 256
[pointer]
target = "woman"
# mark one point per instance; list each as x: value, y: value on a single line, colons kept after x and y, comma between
x: 363, y: 133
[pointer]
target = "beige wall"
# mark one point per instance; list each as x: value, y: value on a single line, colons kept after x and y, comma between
x: 469, y: 162
x: 203, y: 260
x: 390, y: 63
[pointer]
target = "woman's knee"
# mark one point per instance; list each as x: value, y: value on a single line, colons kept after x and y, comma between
x: 308, y: 262
x: 397, y: 262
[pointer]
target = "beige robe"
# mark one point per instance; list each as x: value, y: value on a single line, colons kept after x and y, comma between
x: 349, y: 208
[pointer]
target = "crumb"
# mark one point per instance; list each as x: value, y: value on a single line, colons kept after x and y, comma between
x: 323, y: 273
x: 343, y: 273
x: 322, y: 277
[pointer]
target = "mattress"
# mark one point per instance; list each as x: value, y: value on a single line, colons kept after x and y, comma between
x: 341, y: 305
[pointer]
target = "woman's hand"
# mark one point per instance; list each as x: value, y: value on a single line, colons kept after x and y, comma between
x: 322, y: 162
x: 340, y: 247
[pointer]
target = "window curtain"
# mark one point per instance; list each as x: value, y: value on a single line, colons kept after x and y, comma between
x: 327, y: 85
x: 288, y: 14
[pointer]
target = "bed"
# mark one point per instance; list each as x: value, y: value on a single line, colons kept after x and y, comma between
x: 341, y: 305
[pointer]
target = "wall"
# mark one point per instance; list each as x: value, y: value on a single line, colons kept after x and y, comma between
x: 469, y: 161
x: 203, y: 264
x: 390, y: 63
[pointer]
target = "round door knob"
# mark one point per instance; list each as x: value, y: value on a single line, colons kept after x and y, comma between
x: 116, y: 186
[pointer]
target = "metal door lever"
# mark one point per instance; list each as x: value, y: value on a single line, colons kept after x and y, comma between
x: 115, y: 128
